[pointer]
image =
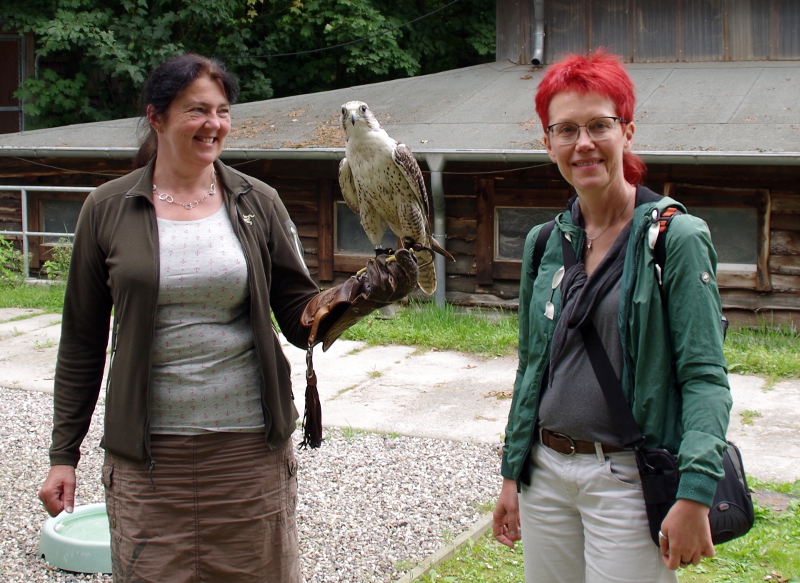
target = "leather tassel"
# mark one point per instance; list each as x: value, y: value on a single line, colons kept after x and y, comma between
x: 312, y: 417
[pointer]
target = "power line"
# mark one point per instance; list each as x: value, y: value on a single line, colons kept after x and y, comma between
x: 388, y: 30
x: 88, y: 172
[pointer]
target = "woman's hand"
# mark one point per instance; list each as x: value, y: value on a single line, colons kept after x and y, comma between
x: 506, y: 527
x: 687, y: 534
x: 58, y: 491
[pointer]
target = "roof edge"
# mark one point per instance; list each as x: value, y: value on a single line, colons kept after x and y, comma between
x: 691, y: 157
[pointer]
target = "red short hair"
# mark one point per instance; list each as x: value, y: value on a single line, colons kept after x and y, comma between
x: 601, y: 73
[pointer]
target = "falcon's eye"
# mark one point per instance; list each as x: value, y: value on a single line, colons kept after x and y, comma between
x: 344, y: 111
x: 363, y: 109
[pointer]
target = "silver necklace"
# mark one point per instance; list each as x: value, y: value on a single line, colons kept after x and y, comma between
x: 590, y: 240
x: 188, y: 205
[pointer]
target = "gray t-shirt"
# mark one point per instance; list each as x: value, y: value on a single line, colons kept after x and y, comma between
x: 573, y: 402
x: 205, y: 374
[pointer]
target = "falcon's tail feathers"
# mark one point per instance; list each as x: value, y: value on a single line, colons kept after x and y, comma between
x: 440, y: 250
x: 427, y: 272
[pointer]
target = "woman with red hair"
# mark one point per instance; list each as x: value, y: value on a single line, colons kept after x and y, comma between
x: 571, y: 486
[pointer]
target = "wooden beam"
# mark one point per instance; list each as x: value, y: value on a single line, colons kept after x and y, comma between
x: 507, y: 270
x: 784, y: 243
x: 785, y: 264
x: 325, y: 231
x: 787, y: 284
x: 752, y: 319
x: 754, y: 300
x: 786, y: 203
x: 730, y: 279
x: 484, y: 236
x: 783, y: 222
x: 763, y: 282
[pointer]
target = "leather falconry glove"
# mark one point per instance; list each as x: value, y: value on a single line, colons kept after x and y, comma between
x: 385, y: 280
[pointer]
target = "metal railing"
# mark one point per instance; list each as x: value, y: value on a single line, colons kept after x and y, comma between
x: 25, y: 233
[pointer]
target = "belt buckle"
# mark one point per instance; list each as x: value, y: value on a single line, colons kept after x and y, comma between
x: 569, y: 439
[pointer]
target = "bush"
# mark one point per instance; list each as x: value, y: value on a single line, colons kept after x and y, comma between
x: 58, y: 266
x: 12, y: 264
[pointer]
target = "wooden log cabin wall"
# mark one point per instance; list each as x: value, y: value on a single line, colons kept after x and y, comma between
x: 754, y: 212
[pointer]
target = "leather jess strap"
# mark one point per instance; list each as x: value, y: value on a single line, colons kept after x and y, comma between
x: 568, y: 446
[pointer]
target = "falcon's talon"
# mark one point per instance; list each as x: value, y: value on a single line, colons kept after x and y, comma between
x: 361, y: 271
x: 390, y: 259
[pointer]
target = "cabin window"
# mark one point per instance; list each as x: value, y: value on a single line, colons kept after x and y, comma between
x: 58, y: 216
x: 51, y: 212
x: 512, y: 225
x: 734, y: 233
x: 350, y: 237
x: 738, y: 220
x: 506, y: 212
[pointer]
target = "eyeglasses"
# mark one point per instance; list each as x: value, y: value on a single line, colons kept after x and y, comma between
x: 600, y: 128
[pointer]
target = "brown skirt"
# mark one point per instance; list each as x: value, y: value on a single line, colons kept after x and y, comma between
x: 217, y: 507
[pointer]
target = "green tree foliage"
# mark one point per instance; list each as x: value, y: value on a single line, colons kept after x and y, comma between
x: 94, y: 55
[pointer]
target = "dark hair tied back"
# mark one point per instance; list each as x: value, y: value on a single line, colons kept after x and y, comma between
x: 167, y: 81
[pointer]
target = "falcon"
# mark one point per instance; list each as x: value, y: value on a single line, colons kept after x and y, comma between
x: 382, y: 183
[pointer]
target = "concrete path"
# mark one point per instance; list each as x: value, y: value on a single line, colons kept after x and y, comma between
x: 445, y: 395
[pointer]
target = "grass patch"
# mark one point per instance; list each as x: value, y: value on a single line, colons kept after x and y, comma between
x: 426, y: 324
x: 769, y: 552
x: 46, y: 297
x: 773, y: 353
x: 749, y: 416
x: 42, y: 344
x: 770, y: 352
x: 343, y: 391
x: 349, y: 433
x: 481, y: 561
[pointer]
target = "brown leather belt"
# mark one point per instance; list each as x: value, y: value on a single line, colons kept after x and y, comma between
x: 568, y: 446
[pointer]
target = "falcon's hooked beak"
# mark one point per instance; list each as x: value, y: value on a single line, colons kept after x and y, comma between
x: 353, y: 116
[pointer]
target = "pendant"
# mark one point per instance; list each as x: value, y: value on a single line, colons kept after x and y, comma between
x: 588, y: 243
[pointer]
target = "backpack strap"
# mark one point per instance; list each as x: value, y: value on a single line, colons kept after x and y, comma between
x: 540, y: 245
x: 660, y: 250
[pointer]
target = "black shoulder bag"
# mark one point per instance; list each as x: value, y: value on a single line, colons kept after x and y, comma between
x: 731, y: 513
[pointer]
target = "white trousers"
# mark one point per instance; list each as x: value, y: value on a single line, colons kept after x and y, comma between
x: 584, y: 521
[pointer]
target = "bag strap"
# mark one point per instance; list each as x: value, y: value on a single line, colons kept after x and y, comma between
x: 660, y: 250
x: 540, y: 245
x: 604, y: 371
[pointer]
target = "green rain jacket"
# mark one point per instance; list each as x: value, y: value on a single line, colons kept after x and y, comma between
x: 674, y: 371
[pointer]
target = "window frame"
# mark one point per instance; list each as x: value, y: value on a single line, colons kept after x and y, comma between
x: 732, y: 275
x: 491, y: 197
x: 341, y: 262
x: 38, y: 249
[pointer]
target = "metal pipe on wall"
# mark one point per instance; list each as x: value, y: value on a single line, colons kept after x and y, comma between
x: 436, y: 164
x: 538, y: 33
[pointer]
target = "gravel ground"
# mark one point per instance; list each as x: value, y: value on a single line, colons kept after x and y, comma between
x: 370, y: 506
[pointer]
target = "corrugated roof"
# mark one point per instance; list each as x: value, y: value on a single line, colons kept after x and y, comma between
x: 711, y: 110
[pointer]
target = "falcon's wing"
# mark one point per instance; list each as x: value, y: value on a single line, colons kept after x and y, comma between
x: 405, y: 161
x: 348, y: 187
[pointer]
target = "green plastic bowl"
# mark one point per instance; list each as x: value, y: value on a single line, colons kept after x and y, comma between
x: 78, y: 542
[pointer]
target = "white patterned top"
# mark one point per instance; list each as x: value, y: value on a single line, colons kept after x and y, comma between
x: 205, y: 374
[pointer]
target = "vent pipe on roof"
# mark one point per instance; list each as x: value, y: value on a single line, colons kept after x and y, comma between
x: 538, y: 33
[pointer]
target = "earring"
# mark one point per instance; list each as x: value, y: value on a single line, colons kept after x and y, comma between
x: 160, y: 130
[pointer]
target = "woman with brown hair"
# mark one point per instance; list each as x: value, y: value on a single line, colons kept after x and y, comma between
x: 194, y: 258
